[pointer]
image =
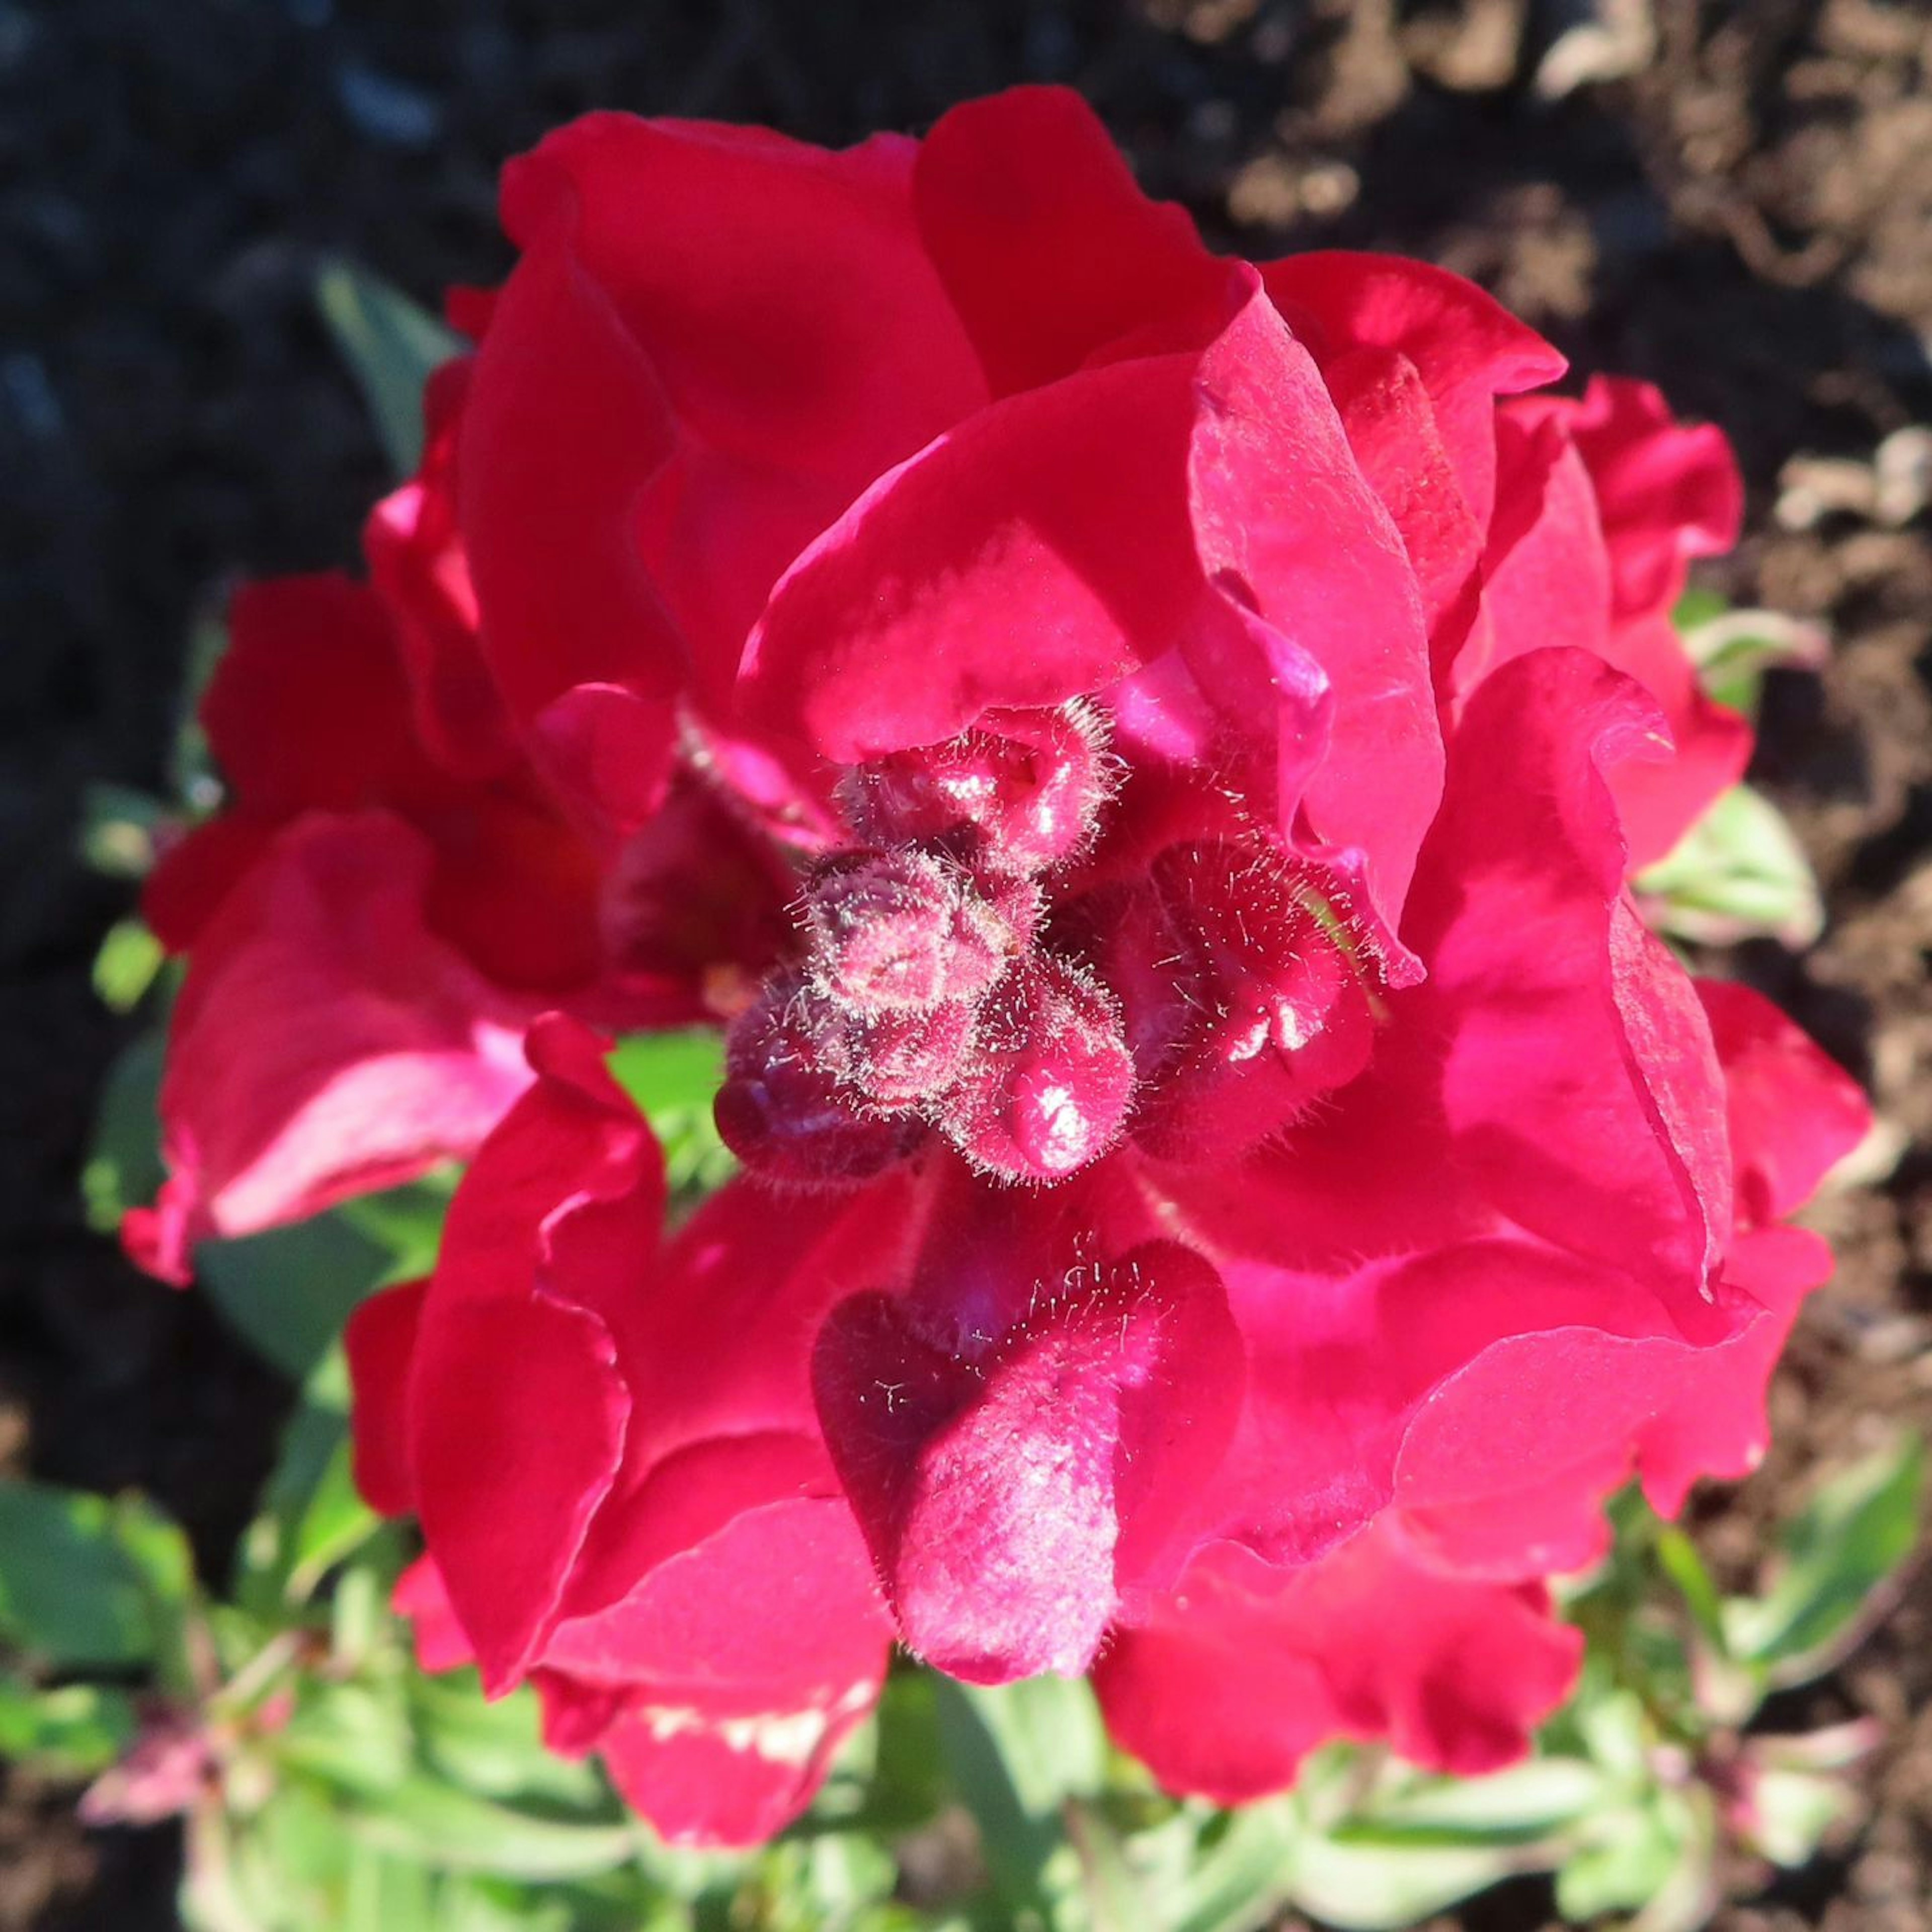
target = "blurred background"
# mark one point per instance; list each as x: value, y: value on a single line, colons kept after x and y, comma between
x: 1734, y: 201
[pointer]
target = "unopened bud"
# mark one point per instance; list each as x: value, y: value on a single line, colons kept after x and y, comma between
x: 785, y: 1109
x: 899, y: 932
x: 1017, y: 792
x: 1051, y: 1080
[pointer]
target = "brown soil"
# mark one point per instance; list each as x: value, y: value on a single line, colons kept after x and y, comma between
x: 1734, y: 200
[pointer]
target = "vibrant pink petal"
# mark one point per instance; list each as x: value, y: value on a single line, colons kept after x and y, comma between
x: 1794, y: 1112
x: 419, y: 1596
x: 1577, y: 1077
x: 1050, y: 253
x: 1235, y: 1677
x: 325, y: 1043
x: 758, y: 1583
x: 1038, y: 551
x: 1467, y: 348
x: 1503, y: 1470
x: 1284, y: 523
x: 1667, y: 492
x: 710, y: 1769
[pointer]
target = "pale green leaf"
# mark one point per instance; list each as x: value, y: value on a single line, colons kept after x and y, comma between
x: 391, y: 346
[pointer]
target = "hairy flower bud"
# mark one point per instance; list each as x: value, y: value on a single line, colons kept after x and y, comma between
x: 1049, y: 1087
x: 899, y: 932
x: 782, y: 1109
x: 899, y: 1059
x: 1019, y: 791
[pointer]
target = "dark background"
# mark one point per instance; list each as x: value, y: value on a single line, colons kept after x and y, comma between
x: 1734, y: 201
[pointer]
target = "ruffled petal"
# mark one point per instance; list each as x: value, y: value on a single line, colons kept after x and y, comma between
x: 515, y: 1349
x: 1234, y: 1678
x: 1038, y: 551
x: 326, y: 1043
x: 716, y: 338
x: 709, y: 1769
x: 1794, y: 1112
x: 1284, y: 523
x: 1466, y: 347
x: 1050, y: 254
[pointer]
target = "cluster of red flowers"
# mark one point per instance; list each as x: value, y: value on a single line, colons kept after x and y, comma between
x: 1144, y: 752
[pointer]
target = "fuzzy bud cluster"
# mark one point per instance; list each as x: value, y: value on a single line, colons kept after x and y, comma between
x: 963, y: 973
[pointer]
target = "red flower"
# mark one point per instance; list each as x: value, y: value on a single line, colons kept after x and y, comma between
x: 611, y: 1447
x: 1222, y: 1157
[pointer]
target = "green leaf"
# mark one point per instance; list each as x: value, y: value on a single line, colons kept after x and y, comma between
x: 1627, y: 1859
x: 124, y: 1167
x: 391, y: 347
x: 353, y: 1736
x: 1017, y: 1754
x: 126, y: 965
x: 452, y: 1830
x: 1732, y: 649
x: 495, y: 1748
x: 71, y: 1733
x: 673, y: 1078
x: 118, y: 828
x: 1837, y: 1555
x: 1522, y: 1806
x: 1234, y: 1875
x: 289, y: 1291
x: 1677, y: 1556
x: 86, y: 1583
x: 1790, y: 1814
x: 405, y: 1221
x: 1374, y: 1888
x: 1739, y: 872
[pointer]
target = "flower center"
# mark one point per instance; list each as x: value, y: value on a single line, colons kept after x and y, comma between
x: 984, y: 962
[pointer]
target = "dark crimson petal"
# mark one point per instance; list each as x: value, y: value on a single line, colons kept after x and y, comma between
x: 1467, y: 349
x: 1794, y: 1112
x: 308, y: 707
x: 515, y: 1349
x: 194, y: 874
x: 716, y: 338
x: 565, y: 425
x: 380, y: 1342
x: 517, y: 889
x: 325, y: 1043
x: 506, y: 1524
x: 1234, y: 1678
x: 1048, y: 251
x: 1038, y: 551
x: 1017, y: 1488
x: 1284, y: 522
x: 416, y: 561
